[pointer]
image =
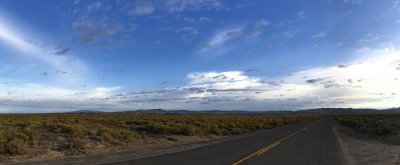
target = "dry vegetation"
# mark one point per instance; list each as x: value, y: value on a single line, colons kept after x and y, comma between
x: 382, y: 125
x: 72, y: 134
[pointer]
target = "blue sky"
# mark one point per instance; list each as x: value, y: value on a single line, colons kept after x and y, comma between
x: 59, y: 55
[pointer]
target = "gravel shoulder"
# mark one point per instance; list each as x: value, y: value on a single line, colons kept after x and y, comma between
x: 362, y: 149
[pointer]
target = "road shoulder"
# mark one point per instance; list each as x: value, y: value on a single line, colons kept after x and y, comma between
x: 361, y: 149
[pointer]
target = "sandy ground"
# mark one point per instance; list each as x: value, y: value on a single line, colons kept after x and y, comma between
x: 363, y: 150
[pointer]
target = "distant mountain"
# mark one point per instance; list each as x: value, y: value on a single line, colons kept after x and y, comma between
x: 319, y: 111
x: 146, y: 111
x: 86, y: 111
x: 336, y: 111
x: 392, y: 110
x: 161, y: 111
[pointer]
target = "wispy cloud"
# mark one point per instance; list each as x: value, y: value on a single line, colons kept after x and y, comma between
x: 174, y: 6
x: 215, y: 45
x: 142, y: 9
x: 319, y: 35
x: 93, y: 31
x: 258, y: 28
x: 48, y: 55
x: 262, y: 22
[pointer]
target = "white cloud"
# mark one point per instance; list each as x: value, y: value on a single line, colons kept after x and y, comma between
x: 142, y: 9
x: 216, y: 45
x: 288, y: 34
x: 44, y: 98
x: 174, y: 6
x: 262, y: 22
x: 216, y: 77
x: 301, y: 14
x: 363, y: 49
x: 102, y: 92
x: 224, y: 36
x: 319, y: 35
x: 189, y: 30
x: 353, y: 1
x: 258, y: 28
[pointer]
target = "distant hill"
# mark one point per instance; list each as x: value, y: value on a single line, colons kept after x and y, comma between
x: 86, y: 111
x: 336, y: 111
x: 320, y: 111
x: 392, y: 110
x: 162, y: 111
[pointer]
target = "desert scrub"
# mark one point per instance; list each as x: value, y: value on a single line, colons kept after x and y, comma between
x: 13, y: 143
x: 377, y: 125
x: 3, y: 143
x: 74, y: 130
x: 16, y: 147
x: 106, y: 134
x: 74, y: 147
x: 128, y: 136
x: 76, y: 133
x: 213, y: 129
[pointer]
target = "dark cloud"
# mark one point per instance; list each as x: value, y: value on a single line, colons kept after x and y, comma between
x: 61, y: 72
x: 312, y: 81
x: 331, y: 84
x: 232, y: 90
x: 92, y: 31
x: 220, y: 99
x: 233, y: 34
x: 62, y: 51
x: 195, y: 90
x: 252, y: 70
x: 272, y: 83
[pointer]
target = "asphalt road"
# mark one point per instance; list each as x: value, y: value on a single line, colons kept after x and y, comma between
x: 305, y: 143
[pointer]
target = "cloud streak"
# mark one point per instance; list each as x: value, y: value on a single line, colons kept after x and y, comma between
x: 68, y: 63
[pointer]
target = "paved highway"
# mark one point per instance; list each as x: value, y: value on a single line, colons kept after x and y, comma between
x: 305, y: 143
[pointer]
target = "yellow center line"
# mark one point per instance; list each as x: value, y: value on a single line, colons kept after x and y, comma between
x: 265, y: 149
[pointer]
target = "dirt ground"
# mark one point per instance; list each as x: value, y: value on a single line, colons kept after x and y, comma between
x: 364, y: 150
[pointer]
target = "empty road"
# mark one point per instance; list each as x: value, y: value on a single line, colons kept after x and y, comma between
x: 305, y: 143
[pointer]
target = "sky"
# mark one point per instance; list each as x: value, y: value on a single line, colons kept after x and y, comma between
x: 258, y: 55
